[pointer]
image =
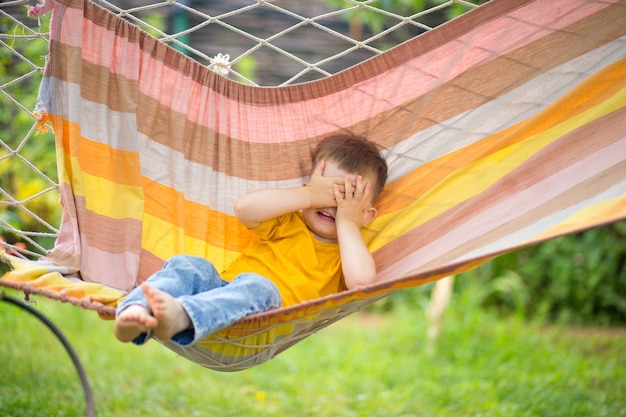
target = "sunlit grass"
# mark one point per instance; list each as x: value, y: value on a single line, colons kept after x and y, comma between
x: 366, y: 365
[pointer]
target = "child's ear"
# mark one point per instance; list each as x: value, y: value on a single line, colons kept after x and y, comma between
x: 369, y: 214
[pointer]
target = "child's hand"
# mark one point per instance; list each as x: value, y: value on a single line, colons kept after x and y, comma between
x: 322, y: 189
x: 354, y: 202
x: 354, y: 210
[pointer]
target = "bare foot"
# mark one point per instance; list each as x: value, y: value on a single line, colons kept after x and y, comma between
x: 132, y: 322
x: 169, y: 313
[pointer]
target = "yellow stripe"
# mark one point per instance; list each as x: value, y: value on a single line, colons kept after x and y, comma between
x: 102, y: 196
x: 165, y: 240
x: 128, y: 201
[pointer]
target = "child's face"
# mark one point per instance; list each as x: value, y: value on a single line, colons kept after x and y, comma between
x: 321, y: 221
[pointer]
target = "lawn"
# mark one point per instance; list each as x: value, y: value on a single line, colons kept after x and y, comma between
x: 370, y: 364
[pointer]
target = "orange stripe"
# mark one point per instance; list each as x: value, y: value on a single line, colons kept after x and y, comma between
x: 98, y: 159
x: 198, y: 221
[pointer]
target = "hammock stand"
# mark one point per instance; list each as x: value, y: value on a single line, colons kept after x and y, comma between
x: 502, y: 129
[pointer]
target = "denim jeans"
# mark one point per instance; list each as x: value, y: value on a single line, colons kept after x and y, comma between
x: 211, y: 303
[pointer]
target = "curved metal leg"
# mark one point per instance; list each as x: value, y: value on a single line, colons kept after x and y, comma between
x: 66, y: 344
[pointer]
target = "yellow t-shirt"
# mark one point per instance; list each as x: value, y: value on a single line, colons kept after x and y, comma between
x: 285, y: 251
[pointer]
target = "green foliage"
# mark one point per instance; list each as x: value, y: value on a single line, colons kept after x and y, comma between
x: 580, y: 278
x: 154, y: 20
x: 247, y: 67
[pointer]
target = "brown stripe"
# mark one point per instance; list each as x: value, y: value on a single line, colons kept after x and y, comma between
x: 108, y: 234
x: 105, y: 18
x: 97, y: 84
x: 200, y: 144
x: 101, y: 232
x: 148, y: 265
x: 112, y: 235
x: 558, y: 155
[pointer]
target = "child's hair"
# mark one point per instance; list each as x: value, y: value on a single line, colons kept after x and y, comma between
x: 356, y: 155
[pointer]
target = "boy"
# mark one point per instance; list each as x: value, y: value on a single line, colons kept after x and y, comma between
x: 307, y: 244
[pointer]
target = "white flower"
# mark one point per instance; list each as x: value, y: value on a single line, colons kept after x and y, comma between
x: 220, y: 63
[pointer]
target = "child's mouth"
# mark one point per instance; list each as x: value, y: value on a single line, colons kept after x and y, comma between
x: 326, y: 216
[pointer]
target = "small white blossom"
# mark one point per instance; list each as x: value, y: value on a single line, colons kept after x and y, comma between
x: 220, y: 64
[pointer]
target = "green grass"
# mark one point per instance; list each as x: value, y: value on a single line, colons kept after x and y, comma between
x: 366, y: 365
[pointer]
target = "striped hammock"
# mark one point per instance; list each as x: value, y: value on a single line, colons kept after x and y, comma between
x: 502, y: 129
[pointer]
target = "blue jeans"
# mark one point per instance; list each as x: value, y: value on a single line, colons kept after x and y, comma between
x: 211, y: 303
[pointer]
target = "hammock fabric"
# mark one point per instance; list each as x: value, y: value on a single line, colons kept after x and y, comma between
x: 502, y: 129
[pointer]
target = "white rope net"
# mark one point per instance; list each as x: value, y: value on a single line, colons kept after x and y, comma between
x: 262, y: 42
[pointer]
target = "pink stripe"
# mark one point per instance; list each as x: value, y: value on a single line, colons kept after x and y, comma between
x: 320, y: 116
x: 119, y: 269
x: 509, y: 209
x: 67, y: 242
x: 101, y: 46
